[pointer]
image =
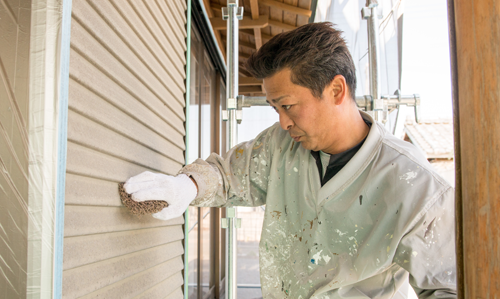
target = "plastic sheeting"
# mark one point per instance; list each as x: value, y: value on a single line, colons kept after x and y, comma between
x: 34, y: 55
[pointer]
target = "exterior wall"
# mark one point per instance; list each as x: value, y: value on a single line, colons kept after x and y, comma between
x: 126, y: 115
x: 15, y: 19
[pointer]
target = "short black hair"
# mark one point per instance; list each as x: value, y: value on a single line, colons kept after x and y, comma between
x: 315, y: 53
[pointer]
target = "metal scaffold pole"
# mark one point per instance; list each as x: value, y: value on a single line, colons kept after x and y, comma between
x: 370, y: 13
x: 375, y: 102
x: 232, y: 13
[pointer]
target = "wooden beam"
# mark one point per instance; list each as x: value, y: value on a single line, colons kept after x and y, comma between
x: 459, y: 248
x: 250, y: 89
x: 266, y: 37
x: 475, y: 98
x: 244, y: 44
x: 218, y: 7
x: 281, y: 25
x: 244, y: 72
x: 254, y: 10
x: 246, y: 23
x: 249, y: 32
x: 244, y: 55
x: 258, y: 38
x: 287, y: 7
x: 247, y: 45
x: 276, y: 24
x: 249, y: 81
x: 210, y: 13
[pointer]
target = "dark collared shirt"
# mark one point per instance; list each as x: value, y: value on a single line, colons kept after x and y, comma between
x: 337, y: 161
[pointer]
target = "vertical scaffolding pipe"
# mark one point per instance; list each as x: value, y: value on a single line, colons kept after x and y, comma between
x: 231, y: 13
x: 374, y: 56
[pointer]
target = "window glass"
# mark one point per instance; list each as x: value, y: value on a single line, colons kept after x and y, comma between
x: 201, y: 143
x: 193, y: 153
x: 205, y: 251
x: 193, y: 253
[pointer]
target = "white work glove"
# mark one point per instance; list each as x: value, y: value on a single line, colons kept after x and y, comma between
x: 178, y: 191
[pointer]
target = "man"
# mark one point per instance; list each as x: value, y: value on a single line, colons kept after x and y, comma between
x: 351, y: 211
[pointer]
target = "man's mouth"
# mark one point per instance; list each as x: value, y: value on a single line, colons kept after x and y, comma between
x: 296, y: 138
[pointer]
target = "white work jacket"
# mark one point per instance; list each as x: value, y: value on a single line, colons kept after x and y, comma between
x: 386, y: 215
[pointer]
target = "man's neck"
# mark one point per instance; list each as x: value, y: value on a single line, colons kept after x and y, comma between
x: 352, y: 131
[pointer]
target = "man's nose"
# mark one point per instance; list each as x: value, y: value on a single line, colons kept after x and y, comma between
x: 285, y: 121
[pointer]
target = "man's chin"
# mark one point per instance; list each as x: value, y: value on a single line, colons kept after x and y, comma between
x: 306, y: 145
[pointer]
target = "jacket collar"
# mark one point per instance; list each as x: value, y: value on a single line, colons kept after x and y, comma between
x: 356, y: 165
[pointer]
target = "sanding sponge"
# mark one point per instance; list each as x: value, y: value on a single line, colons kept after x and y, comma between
x: 140, y: 208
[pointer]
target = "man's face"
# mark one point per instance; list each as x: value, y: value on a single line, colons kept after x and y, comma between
x: 307, y: 119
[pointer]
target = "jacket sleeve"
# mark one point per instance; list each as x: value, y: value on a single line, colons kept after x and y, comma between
x: 238, y: 179
x: 427, y: 252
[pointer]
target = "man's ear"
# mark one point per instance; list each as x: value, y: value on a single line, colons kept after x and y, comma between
x: 337, y: 89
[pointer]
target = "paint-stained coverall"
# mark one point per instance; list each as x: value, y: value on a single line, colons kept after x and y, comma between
x: 384, y: 216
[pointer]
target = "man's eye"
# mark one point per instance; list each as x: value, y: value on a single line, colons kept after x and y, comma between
x: 286, y: 107
x: 274, y: 108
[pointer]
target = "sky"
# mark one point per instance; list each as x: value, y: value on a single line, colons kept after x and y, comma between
x: 426, y: 58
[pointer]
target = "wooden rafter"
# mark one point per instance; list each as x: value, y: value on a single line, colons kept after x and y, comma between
x: 254, y: 10
x: 287, y: 7
x: 273, y: 23
x: 246, y: 23
x: 243, y: 44
x: 243, y: 71
x: 250, y: 89
x: 281, y: 25
x: 243, y: 57
x: 249, y: 81
x: 251, y: 25
x: 210, y: 13
x: 249, y: 32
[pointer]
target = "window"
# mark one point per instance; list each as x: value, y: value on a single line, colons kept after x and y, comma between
x: 204, y: 237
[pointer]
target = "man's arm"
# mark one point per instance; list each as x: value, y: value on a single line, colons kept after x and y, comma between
x: 427, y: 252
x: 239, y: 178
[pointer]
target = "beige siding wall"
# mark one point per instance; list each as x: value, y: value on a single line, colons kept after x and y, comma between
x: 126, y: 115
x: 14, y: 102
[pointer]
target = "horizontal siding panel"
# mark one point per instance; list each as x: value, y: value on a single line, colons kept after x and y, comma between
x: 126, y: 116
x: 181, y: 10
x: 169, y: 16
x: 183, y: 4
x: 92, y: 51
x: 87, y: 75
x: 179, y: 19
x: 93, y: 135
x: 160, y: 63
x: 177, y: 294
x: 168, y: 30
x: 82, y: 190
x: 164, y: 288
x: 137, y: 22
x: 86, y: 220
x: 88, y: 162
x: 83, y: 250
x: 83, y: 280
x: 136, y: 284
x: 86, y: 17
x: 87, y: 103
x: 167, y: 45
